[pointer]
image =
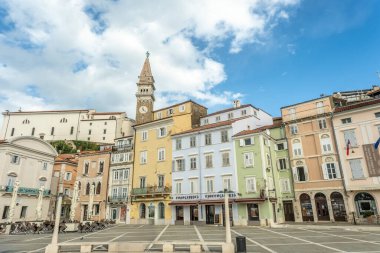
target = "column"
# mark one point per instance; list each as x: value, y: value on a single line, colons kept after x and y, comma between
x: 329, y: 206
x: 315, y: 215
x: 156, y: 222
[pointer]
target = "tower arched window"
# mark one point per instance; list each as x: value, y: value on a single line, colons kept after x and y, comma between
x: 63, y: 120
x: 98, y: 188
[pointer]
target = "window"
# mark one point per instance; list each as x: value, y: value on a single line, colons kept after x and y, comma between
x: 243, y: 112
x: 68, y: 176
x: 96, y: 209
x: 205, y: 121
x: 210, y: 185
x: 285, y: 185
x: 297, y: 150
x: 161, y: 154
x: 248, y: 159
x: 116, y: 175
x: 293, y: 129
x: 225, y: 159
x: 179, y: 164
x: 66, y: 191
x: 356, y: 169
x: 230, y: 115
x: 159, y: 115
x: 250, y: 184
x: 193, y: 163
x: 346, y: 120
x: 143, y: 157
x: 101, y: 166
x: 301, y: 174
x: 144, y: 135
x: 322, y: 124
x: 161, y: 180
x: 280, y: 146
x: 13, y: 131
x: 23, y: 211
x: 105, y: 123
x: 326, y: 144
x: 161, y: 132
x: 98, y: 188
x: 33, y: 130
x: 161, y: 210
x: 330, y: 172
x: 320, y: 108
x: 52, y: 131
x: 178, y: 186
x: 224, y: 135
x: 269, y: 163
x: 178, y: 144
x: 15, y: 159
x: 89, y: 131
x: 90, y: 123
x: 170, y: 111
x: 142, y: 211
x: 72, y: 130
x: 11, y: 180
x: 377, y: 114
x: 208, y: 158
x: 282, y: 164
x: 349, y: 135
x: 182, y: 108
x: 193, y: 185
x: 142, y: 182
x: 63, y: 120
x: 88, y: 187
x: 25, y: 121
x: 86, y: 166
x: 193, y: 142
x: 227, y: 183
x: 5, y: 212
x: 217, y: 118
x: 208, y: 139
x: 104, y: 131
x: 247, y: 141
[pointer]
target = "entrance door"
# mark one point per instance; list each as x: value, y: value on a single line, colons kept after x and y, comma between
x: 306, y: 207
x: 322, y: 208
x: 123, y: 211
x: 85, y: 207
x: 253, y: 214
x: 210, y: 214
x: 193, y: 213
x: 338, y: 208
x: 288, y: 210
x: 114, y: 214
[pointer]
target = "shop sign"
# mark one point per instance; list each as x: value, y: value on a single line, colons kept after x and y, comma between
x: 372, y: 158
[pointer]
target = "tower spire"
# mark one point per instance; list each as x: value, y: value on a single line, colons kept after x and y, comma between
x: 146, y: 73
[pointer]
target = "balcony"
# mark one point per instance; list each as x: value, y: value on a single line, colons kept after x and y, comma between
x: 119, y: 199
x: 151, y: 190
x: 127, y: 147
x: 24, y: 190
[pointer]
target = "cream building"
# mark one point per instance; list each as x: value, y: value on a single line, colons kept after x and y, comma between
x: 360, y: 125
x: 85, y: 125
x: 28, y: 162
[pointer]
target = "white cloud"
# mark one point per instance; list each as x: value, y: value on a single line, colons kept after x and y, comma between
x: 105, y: 43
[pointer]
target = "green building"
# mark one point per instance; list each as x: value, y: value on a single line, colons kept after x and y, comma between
x: 264, y: 176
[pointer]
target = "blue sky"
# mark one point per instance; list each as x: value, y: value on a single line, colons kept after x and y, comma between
x: 88, y: 54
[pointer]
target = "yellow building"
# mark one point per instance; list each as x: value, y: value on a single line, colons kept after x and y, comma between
x: 152, y: 180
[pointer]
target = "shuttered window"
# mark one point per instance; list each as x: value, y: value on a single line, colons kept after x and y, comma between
x: 250, y: 184
x: 350, y: 135
x: 248, y: 159
x: 356, y: 169
x: 285, y: 185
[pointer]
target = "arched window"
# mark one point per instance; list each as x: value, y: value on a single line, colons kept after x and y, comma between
x: 63, y: 120
x: 296, y: 141
x: 98, y: 188
x: 338, y: 208
x: 306, y: 207
x: 161, y: 210
x: 365, y: 204
x: 325, y: 136
x: 25, y: 121
x: 79, y: 185
x: 142, y: 211
x: 88, y: 189
x: 11, y: 178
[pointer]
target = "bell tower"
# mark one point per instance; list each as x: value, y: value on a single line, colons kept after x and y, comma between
x: 145, y: 94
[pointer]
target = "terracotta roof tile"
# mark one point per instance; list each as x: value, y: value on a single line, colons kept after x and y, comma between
x: 356, y: 105
x: 258, y: 130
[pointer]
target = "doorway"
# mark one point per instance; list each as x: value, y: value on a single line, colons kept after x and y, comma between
x: 210, y: 214
x: 306, y: 208
x: 288, y: 210
x: 253, y: 214
x: 113, y: 213
x: 85, y: 207
x: 338, y: 208
x: 321, y: 206
x: 194, y: 213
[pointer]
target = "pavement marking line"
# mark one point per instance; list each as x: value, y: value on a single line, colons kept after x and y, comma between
x: 76, y: 238
x: 201, y: 239
x: 117, y: 237
x: 34, y: 239
x: 258, y: 244
x: 157, y: 237
x: 340, y: 236
x: 315, y: 243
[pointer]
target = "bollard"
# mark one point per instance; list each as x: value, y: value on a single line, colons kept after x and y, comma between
x: 241, y: 246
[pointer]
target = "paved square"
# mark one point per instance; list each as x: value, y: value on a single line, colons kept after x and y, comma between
x: 274, y: 240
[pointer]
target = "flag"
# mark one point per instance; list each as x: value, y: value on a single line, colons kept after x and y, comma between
x: 348, y: 147
x: 377, y: 143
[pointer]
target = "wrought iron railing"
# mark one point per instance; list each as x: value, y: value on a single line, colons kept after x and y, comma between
x: 151, y: 190
x: 24, y: 190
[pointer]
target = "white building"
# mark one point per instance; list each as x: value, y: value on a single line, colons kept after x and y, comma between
x: 204, y: 165
x: 28, y: 161
x: 120, y: 180
x: 85, y: 125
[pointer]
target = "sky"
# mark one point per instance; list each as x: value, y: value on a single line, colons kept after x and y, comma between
x: 78, y: 54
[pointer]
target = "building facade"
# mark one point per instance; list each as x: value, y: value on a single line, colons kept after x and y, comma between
x: 204, y: 166
x: 357, y: 128
x: 26, y: 163
x: 318, y: 185
x: 120, y: 180
x: 85, y: 125
x: 264, y: 176
x: 93, y: 172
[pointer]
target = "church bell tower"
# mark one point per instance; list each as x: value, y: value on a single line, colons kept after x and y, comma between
x: 145, y: 94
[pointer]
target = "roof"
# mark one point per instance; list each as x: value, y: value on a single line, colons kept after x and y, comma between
x: 145, y: 71
x: 357, y: 105
x: 85, y: 110
x: 322, y: 97
x: 187, y: 101
x: 3, y: 141
x: 123, y: 137
x: 210, y: 126
x: 107, y: 113
x: 228, y: 110
x: 258, y: 130
x: 67, y: 158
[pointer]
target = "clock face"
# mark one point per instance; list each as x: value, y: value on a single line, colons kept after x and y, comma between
x: 143, y: 109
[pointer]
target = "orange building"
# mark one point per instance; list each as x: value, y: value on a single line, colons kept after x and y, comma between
x: 93, y: 171
x: 318, y: 185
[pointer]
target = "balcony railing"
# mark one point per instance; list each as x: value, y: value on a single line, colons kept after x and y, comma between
x: 151, y: 190
x: 127, y: 147
x: 117, y: 198
x: 24, y: 190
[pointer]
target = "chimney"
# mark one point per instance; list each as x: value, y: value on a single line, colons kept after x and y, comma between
x: 236, y: 103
